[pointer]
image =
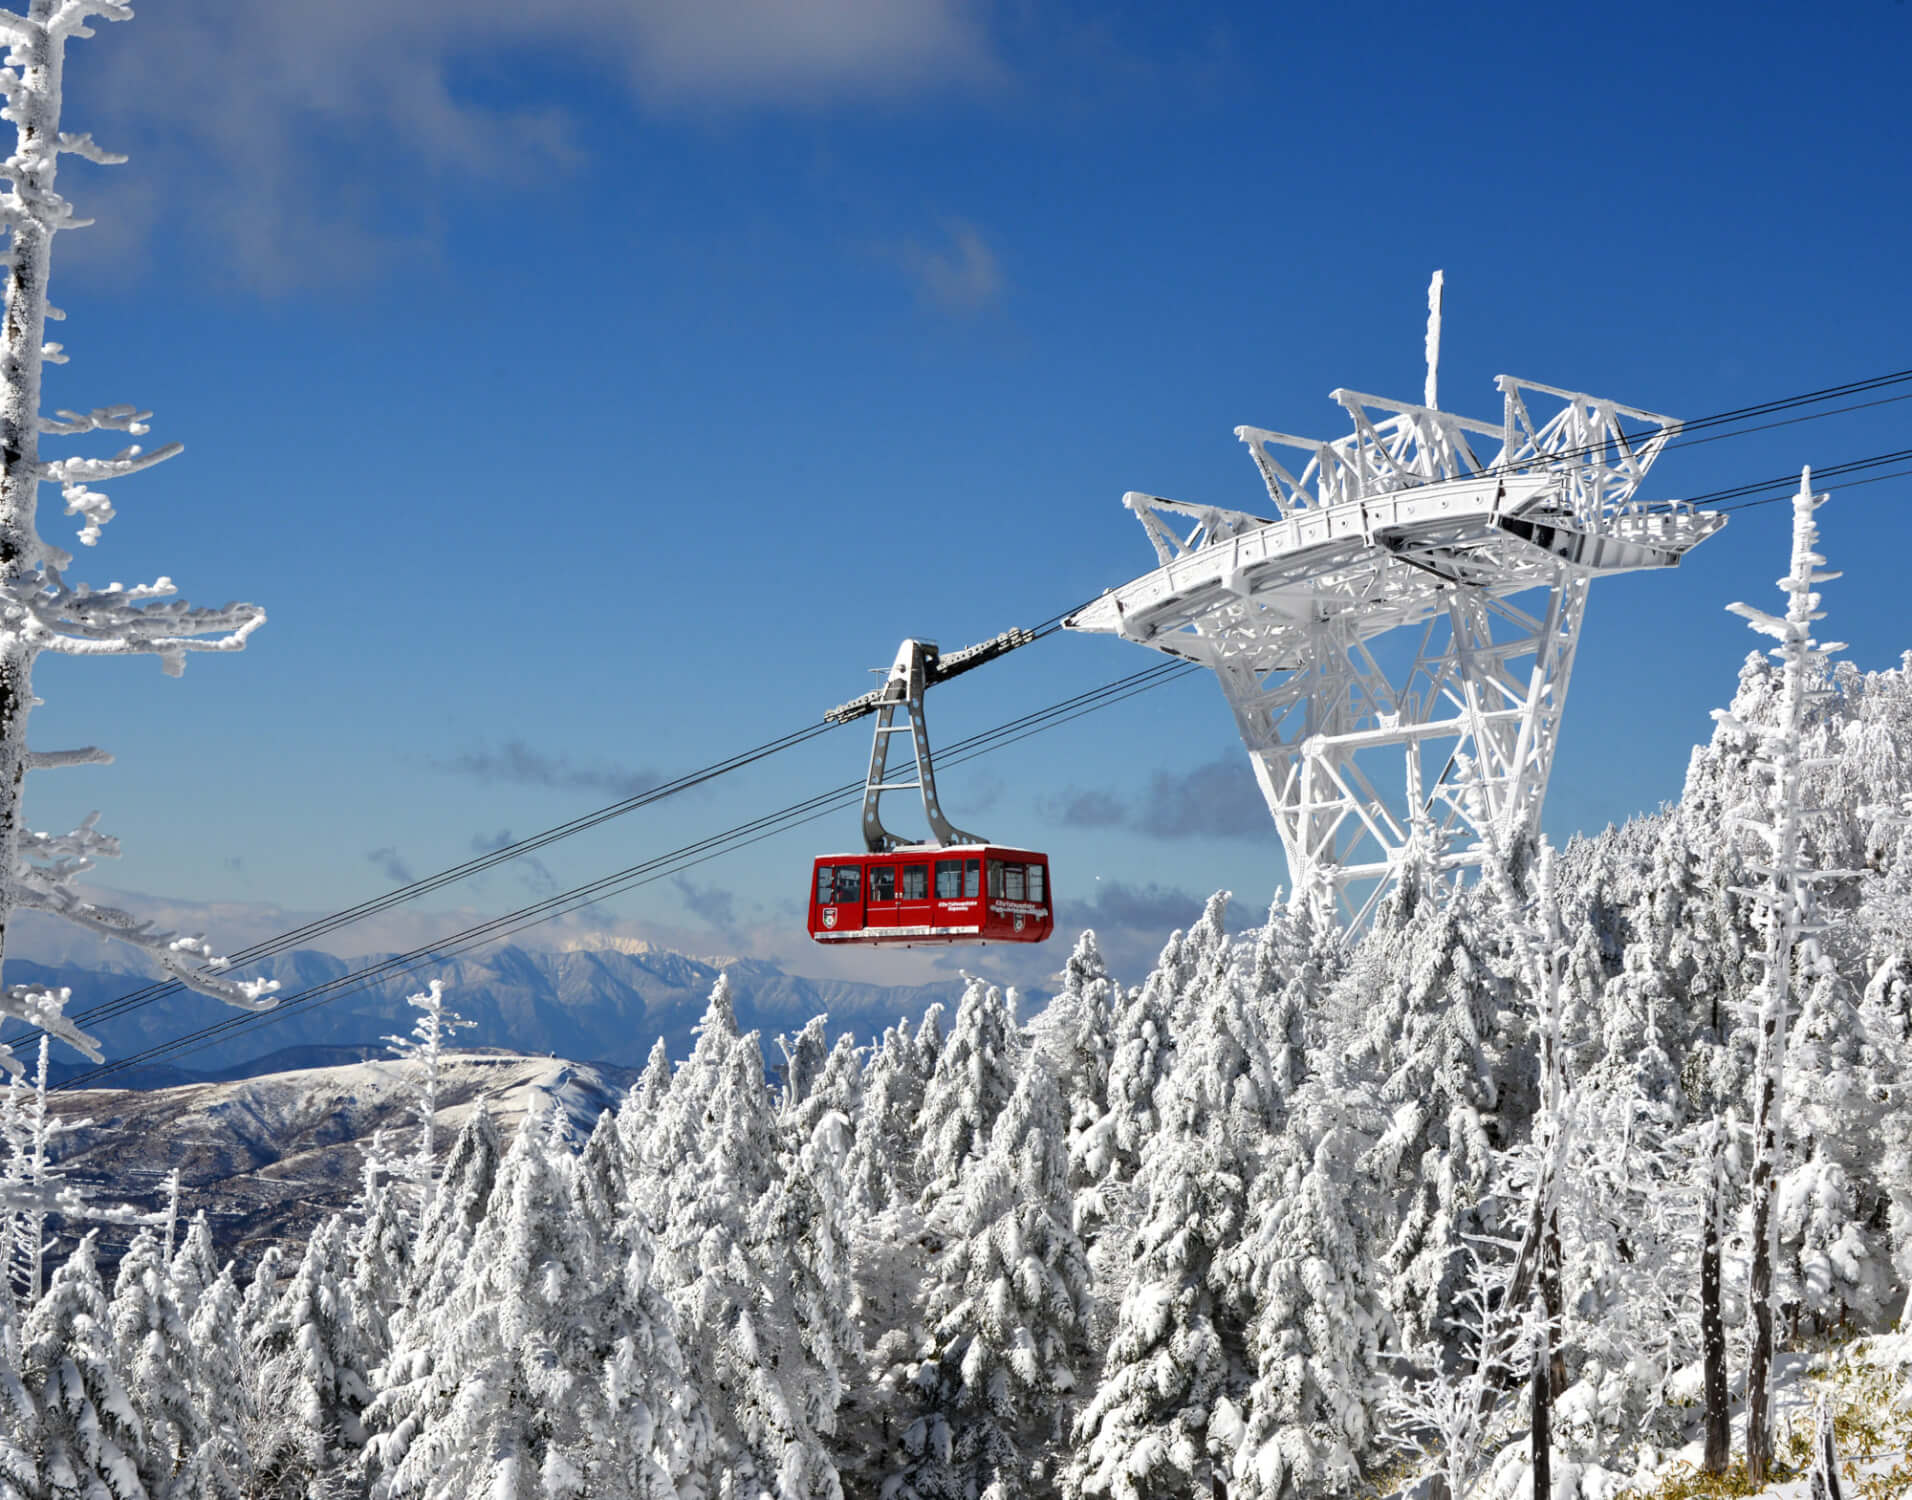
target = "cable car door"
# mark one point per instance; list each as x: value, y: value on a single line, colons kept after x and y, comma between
x: 913, y: 908
x: 840, y: 897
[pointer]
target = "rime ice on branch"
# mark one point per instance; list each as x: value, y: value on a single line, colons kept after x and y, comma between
x: 40, y: 610
x: 1785, y: 895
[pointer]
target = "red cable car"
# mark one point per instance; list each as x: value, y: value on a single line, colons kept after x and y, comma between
x: 956, y: 888
x: 932, y: 893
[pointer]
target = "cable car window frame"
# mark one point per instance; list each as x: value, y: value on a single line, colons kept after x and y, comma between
x: 882, y: 882
x: 1012, y: 882
x: 849, y: 891
x: 826, y: 884
x: 995, y: 880
x: 949, y: 879
x: 972, y: 879
x: 912, y: 882
x: 1037, y: 883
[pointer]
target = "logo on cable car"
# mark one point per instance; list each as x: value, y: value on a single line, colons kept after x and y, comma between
x: 829, y: 916
x: 1019, y: 921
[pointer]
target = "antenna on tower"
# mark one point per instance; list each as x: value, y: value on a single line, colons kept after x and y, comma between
x: 1433, y: 340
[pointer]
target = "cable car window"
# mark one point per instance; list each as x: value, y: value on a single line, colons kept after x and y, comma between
x: 995, y: 878
x: 915, y: 883
x: 882, y: 883
x: 972, y: 877
x: 1012, y: 882
x: 826, y: 883
x: 1035, y: 883
x: 949, y: 879
x: 849, y: 884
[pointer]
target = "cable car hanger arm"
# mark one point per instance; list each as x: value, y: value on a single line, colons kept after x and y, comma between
x: 936, y: 668
x: 918, y: 665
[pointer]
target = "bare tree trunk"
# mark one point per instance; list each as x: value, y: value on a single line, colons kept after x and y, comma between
x: 1719, y: 1435
x: 1543, y: 1394
x: 1550, y: 1292
x: 1759, y: 1438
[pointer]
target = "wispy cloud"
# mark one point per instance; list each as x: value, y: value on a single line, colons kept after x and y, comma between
x: 532, y: 871
x: 1217, y: 800
x: 388, y: 863
x: 709, y: 903
x: 517, y: 764
x: 964, y: 276
x: 1091, y: 809
x: 254, y: 123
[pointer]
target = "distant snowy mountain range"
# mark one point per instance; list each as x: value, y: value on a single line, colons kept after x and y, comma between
x: 603, y: 1005
x: 268, y: 1158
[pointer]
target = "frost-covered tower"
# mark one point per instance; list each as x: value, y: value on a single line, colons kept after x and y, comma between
x: 1396, y: 639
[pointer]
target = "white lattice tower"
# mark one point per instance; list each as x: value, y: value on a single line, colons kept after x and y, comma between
x: 1397, y: 639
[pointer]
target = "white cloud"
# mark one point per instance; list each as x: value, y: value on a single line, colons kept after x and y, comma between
x: 966, y: 277
x: 279, y: 129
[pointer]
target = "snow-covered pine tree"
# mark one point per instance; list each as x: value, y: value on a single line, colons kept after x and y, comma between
x: 836, y: 1091
x: 381, y: 1253
x: 647, y: 1375
x: 638, y: 1112
x: 807, y: 1216
x: 639, y: 1120
x: 1144, y: 1048
x: 153, y: 1352
x: 90, y: 1441
x: 1887, y: 1074
x: 803, y: 1060
x: 43, y: 611
x: 1835, y: 1263
x: 1427, y: 1041
x: 1321, y: 1320
x: 1298, y: 956
x: 311, y: 1378
x: 36, y: 1186
x: 927, y: 1044
x: 1007, y: 1316
x: 726, y: 1276
x: 881, y: 1171
x: 975, y: 1075
x: 19, y: 1415
x: 458, y: 1205
x: 262, y: 1290
x: 424, y: 1050
x: 222, y: 1393
x: 1076, y: 1031
x: 407, y: 1385
x: 1786, y: 901
x: 194, y: 1267
x: 1150, y: 1430
x: 537, y: 1393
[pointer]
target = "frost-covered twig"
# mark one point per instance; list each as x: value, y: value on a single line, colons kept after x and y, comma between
x: 1453, y: 1404
x: 40, y: 611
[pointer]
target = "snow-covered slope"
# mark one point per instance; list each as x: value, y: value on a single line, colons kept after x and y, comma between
x: 268, y: 1158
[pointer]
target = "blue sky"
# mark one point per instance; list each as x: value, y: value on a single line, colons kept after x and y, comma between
x: 592, y: 389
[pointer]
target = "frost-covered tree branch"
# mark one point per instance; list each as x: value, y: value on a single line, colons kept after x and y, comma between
x: 437, y: 1023
x: 40, y: 610
x: 1785, y: 897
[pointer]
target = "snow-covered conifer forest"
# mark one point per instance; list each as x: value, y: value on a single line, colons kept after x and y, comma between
x: 1534, y: 1183
x: 1291, y: 1217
